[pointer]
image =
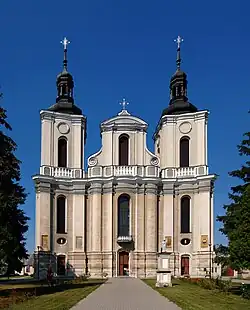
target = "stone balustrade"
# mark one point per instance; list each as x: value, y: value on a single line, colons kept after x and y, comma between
x: 61, y: 172
x: 123, y: 171
x: 124, y: 239
x: 184, y: 172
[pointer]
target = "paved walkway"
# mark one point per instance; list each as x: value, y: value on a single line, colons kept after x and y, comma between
x: 125, y: 294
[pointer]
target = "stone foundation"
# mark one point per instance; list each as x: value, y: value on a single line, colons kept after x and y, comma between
x: 142, y: 265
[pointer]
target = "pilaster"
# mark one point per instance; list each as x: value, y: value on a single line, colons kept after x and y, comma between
x: 168, y: 214
x: 44, y: 216
x: 107, y: 228
x: 95, y: 192
x: 140, y: 204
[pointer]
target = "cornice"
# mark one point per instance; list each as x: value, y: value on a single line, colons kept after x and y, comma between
x: 173, y: 119
x: 52, y: 116
x: 124, y: 128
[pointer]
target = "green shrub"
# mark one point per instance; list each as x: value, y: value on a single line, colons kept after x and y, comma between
x: 223, y: 286
x: 245, y: 291
x: 209, y: 284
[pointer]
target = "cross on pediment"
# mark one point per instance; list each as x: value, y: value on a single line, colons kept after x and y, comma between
x: 124, y: 103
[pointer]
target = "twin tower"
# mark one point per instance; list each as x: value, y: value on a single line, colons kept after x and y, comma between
x: 113, y: 217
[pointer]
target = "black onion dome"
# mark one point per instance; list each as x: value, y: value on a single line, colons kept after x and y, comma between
x: 65, y: 86
x: 179, y: 103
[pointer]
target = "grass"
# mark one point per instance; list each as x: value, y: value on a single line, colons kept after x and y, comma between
x: 61, y: 297
x: 190, y: 296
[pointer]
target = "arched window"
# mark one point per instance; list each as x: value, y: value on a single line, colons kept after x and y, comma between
x: 61, y: 215
x: 184, y: 152
x: 123, y: 150
x: 62, y: 152
x: 123, y: 215
x: 185, y: 214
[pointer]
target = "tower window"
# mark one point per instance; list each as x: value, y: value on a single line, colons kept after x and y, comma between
x: 62, y: 152
x: 185, y: 214
x: 61, y: 215
x: 123, y: 215
x: 184, y: 152
x: 123, y: 150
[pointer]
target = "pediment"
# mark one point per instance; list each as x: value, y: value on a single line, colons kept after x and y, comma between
x: 124, y: 121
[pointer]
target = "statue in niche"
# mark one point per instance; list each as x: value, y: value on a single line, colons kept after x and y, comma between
x: 164, y: 246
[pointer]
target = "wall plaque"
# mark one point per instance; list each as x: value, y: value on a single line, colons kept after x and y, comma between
x: 168, y: 241
x: 45, y: 242
x: 204, y: 241
x: 78, y: 242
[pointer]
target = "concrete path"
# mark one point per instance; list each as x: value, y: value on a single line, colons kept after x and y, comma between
x: 125, y: 294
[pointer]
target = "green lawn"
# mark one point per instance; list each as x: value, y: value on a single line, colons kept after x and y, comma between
x: 63, y: 298
x: 189, y: 296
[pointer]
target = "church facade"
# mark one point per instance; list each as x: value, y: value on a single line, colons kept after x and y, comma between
x: 114, y: 216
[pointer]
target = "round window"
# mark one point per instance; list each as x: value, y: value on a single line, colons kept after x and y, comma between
x: 61, y: 241
x: 185, y: 241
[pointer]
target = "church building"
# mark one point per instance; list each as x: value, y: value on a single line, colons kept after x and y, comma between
x: 114, y: 216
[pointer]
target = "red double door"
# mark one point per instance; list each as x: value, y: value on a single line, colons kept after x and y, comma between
x: 184, y: 265
x: 123, y: 263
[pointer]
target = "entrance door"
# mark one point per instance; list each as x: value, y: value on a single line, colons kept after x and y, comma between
x: 123, y: 263
x: 61, y: 265
x: 184, y: 265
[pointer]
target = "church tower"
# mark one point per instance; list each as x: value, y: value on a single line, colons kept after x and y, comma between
x: 186, y: 201
x: 60, y: 185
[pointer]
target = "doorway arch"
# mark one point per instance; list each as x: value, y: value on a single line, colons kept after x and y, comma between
x: 123, y: 263
x: 185, y: 265
x: 61, y: 265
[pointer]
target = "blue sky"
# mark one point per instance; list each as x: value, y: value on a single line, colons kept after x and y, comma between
x: 125, y: 49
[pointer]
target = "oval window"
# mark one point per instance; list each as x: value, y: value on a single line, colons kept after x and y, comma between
x: 185, y: 241
x: 61, y: 241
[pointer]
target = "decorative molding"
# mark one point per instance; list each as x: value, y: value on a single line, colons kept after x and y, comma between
x: 95, y: 188
x: 185, y: 127
x: 151, y: 189
x: 92, y: 161
x: 63, y: 128
x: 154, y: 161
x: 173, y: 119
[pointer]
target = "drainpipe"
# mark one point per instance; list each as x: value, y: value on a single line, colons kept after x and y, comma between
x: 112, y: 247
x: 210, y: 230
x: 145, y: 272
x: 85, y: 235
x: 101, y: 247
x: 174, y: 232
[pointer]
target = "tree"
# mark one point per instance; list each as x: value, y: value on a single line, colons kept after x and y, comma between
x: 236, y: 221
x: 13, y: 221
